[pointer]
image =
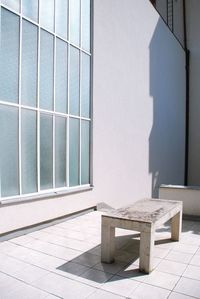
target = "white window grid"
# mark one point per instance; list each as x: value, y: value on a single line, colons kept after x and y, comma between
x: 67, y: 189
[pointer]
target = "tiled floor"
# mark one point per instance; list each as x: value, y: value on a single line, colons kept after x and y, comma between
x: 63, y: 261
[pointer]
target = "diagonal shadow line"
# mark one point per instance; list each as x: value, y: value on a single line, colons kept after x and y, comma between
x: 124, y: 266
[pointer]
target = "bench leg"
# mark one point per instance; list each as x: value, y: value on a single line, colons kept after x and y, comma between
x: 176, y: 226
x: 107, y: 243
x: 146, y: 251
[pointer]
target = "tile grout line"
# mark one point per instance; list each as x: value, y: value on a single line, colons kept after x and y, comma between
x: 55, y: 273
x: 52, y: 272
x: 181, y: 276
x: 29, y: 284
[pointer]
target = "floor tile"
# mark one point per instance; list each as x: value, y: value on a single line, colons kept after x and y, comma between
x: 63, y: 287
x: 195, y: 260
x: 162, y: 280
x: 125, y: 232
x: 132, y: 246
x: 94, y: 277
x: 180, y: 257
x: 30, y: 273
x: 165, y: 244
x: 87, y: 259
x: 160, y: 252
x: 186, y: 248
x: 54, y: 250
x: 25, y: 254
x: 100, y: 294
x: 192, y: 272
x: 8, y: 247
x: 175, y: 295
x: 81, y: 245
x: 22, y: 240
x: 110, y: 268
x: 198, y: 251
x: 96, y: 250
x: 72, y: 268
x: 132, y: 271
x: 156, y: 262
x: 70, y: 234
x: 11, y: 265
x: 52, y: 297
x: 26, y: 292
x: 188, y: 287
x: 145, y: 291
x: 171, y: 267
x: 125, y: 256
x: 64, y: 261
x: 42, y: 260
x: 191, y: 240
x: 120, y: 286
x: 7, y: 283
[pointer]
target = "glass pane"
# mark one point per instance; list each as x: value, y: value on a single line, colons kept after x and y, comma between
x: 61, y: 76
x: 47, y: 14
x: 62, y: 17
x: 29, y: 151
x: 85, y: 85
x: 73, y: 152
x: 46, y: 70
x: 9, y: 60
x: 74, y: 21
x: 85, y: 15
x: 29, y: 64
x: 30, y: 9
x: 60, y: 152
x: 9, y: 177
x: 13, y: 4
x: 74, y: 81
x: 46, y: 151
x: 85, y: 152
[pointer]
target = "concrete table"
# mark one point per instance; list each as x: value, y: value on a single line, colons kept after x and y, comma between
x: 144, y: 216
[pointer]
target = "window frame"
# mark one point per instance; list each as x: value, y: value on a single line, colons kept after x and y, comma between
x: 66, y: 189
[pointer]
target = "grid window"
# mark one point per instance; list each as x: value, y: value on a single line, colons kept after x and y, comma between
x: 29, y: 64
x: 45, y: 100
x: 30, y: 9
x: 9, y: 60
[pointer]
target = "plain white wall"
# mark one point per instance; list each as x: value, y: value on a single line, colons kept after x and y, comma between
x: 193, y: 40
x: 188, y: 195
x: 139, y: 107
x: 139, y: 101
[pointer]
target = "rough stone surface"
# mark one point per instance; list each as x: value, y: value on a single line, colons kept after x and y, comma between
x: 144, y: 210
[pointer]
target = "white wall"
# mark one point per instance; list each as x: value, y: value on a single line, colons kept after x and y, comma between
x: 193, y: 27
x: 188, y: 195
x: 139, y: 101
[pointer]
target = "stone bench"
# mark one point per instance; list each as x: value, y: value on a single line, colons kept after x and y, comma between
x: 144, y: 216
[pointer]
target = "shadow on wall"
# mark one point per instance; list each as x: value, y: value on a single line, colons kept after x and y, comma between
x: 166, y: 140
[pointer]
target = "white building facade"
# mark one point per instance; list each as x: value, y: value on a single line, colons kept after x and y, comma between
x: 92, y: 107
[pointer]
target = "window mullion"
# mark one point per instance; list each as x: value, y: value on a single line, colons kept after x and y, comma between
x: 54, y: 99
x: 80, y: 141
x: 80, y: 78
x: 67, y: 147
x: 20, y: 144
x: 38, y: 103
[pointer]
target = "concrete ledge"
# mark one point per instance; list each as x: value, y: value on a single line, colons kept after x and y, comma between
x: 189, y: 195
